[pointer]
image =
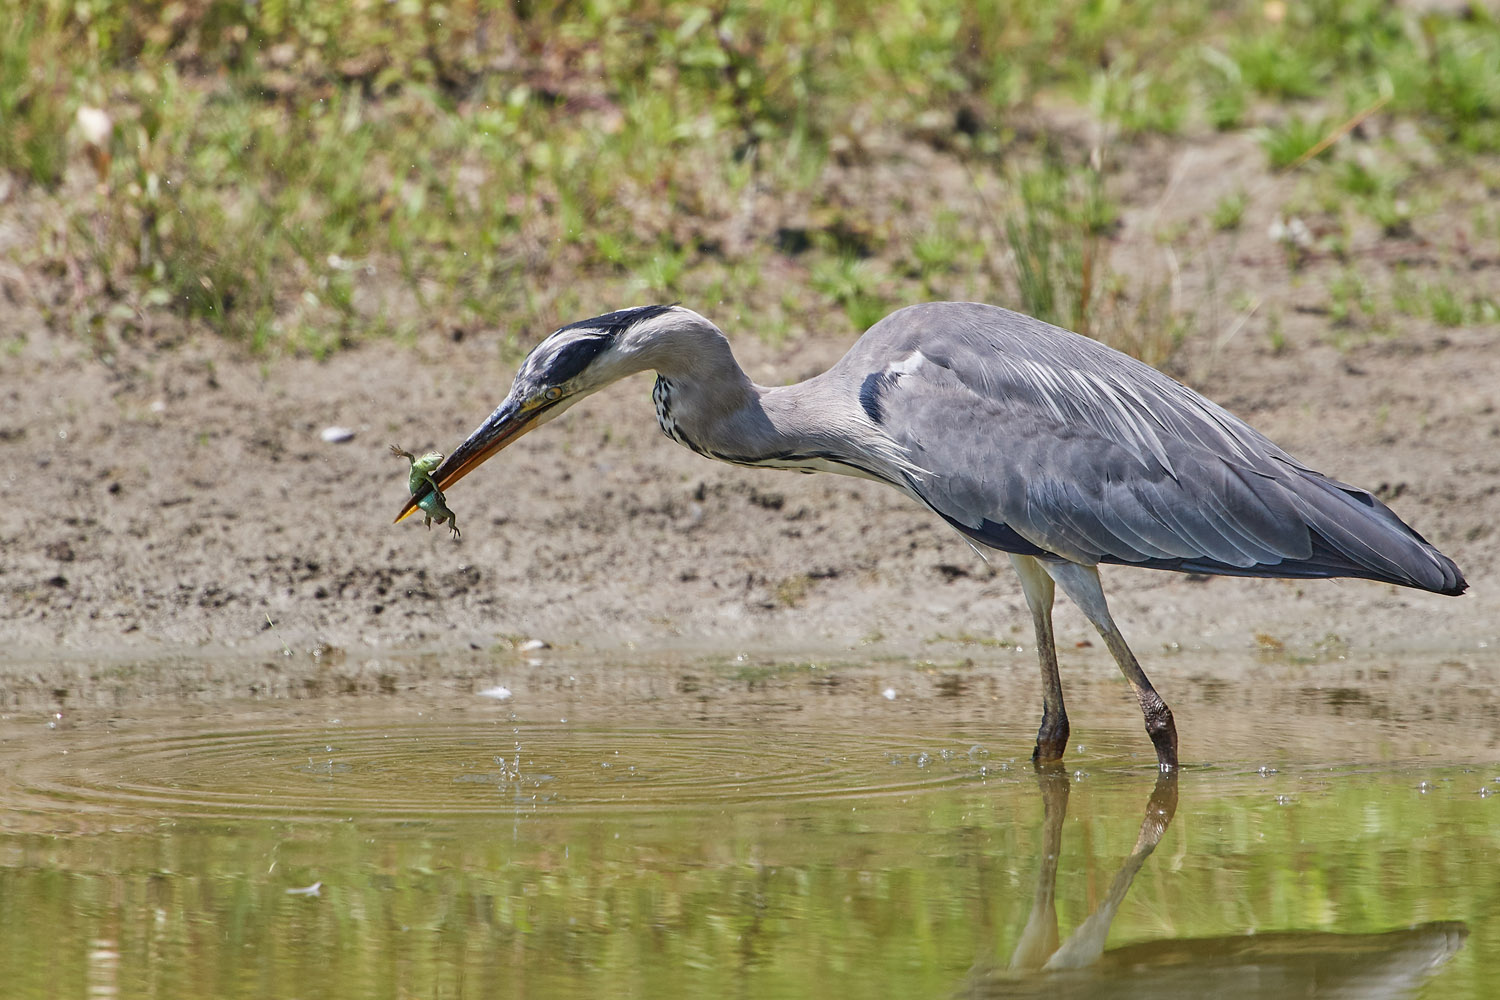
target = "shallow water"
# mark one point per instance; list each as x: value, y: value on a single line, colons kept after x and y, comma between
x: 713, y: 830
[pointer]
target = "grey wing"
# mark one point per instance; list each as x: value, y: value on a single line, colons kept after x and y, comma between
x: 1035, y: 440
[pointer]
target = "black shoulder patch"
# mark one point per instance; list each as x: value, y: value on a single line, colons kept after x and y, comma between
x: 618, y: 321
x: 870, y: 389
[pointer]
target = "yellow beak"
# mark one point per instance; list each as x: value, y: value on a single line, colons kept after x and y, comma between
x: 508, y: 422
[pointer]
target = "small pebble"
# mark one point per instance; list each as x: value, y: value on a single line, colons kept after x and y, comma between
x: 499, y: 692
x: 889, y: 694
x: 532, y: 645
x: 336, y: 435
x: 95, y: 126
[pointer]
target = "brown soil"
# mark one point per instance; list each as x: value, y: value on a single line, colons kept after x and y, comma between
x: 166, y: 499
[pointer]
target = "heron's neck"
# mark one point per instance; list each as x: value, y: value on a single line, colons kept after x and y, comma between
x: 699, y: 361
x: 705, y: 401
x: 701, y: 393
x: 740, y: 422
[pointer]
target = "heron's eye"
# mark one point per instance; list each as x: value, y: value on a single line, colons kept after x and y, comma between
x: 552, y: 394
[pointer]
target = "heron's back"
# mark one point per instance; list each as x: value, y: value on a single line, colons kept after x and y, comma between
x: 1033, y: 439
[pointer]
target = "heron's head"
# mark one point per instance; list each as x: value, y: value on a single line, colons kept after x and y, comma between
x: 578, y: 359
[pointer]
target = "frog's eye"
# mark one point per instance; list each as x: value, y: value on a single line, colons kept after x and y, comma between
x: 552, y: 394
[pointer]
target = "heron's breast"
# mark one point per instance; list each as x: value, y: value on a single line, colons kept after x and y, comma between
x: 661, y: 395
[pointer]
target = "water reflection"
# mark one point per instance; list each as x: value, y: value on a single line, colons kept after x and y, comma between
x: 796, y: 834
x: 1376, y: 966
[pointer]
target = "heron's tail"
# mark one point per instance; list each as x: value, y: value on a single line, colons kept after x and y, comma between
x: 1356, y: 535
x: 1352, y: 535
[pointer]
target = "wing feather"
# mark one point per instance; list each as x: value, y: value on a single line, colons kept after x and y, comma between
x: 1028, y: 436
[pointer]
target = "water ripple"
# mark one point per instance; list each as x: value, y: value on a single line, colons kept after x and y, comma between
x: 405, y: 769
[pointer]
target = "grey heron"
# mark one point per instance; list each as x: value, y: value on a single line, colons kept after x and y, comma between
x: 1028, y: 439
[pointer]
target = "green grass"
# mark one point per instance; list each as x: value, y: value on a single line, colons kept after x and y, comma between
x: 1229, y: 212
x: 1351, y: 300
x: 1289, y: 142
x: 33, y: 111
x: 299, y: 176
x: 1447, y: 308
x: 856, y: 286
x: 1057, y: 240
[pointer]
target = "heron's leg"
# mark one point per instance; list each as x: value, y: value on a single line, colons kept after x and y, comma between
x: 1052, y: 737
x: 1081, y: 584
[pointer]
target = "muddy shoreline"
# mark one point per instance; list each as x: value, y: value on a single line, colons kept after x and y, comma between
x: 173, y: 495
x: 188, y: 499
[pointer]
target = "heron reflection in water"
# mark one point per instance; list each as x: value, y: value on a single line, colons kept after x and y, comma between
x: 1027, y: 439
x: 1261, y: 966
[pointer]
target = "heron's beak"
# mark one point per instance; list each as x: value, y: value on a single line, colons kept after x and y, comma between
x: 509, y: 421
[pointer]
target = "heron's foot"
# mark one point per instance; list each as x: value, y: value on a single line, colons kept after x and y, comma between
x: 1162, y: 730
x: 1051, y: 739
